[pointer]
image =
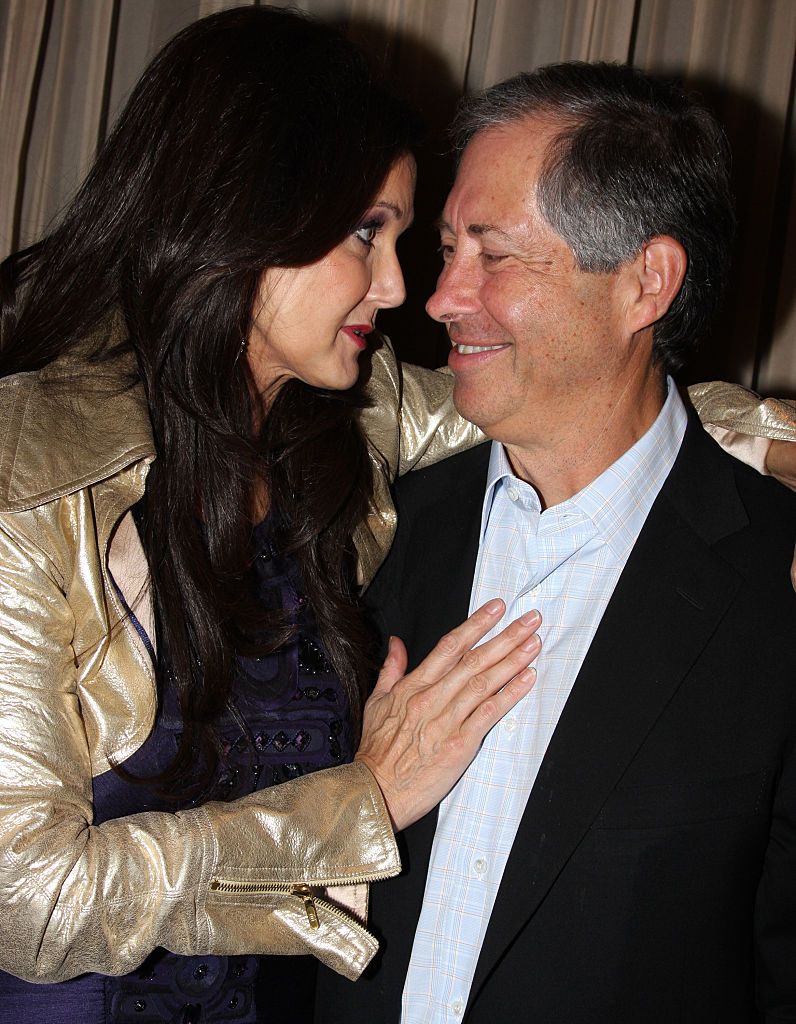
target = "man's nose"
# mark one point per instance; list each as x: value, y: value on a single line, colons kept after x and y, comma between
x: 456, y: 295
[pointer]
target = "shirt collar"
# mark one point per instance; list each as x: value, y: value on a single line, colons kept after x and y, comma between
x: 619, y: 500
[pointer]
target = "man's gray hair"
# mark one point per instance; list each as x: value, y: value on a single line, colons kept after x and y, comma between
x: 633, y: 158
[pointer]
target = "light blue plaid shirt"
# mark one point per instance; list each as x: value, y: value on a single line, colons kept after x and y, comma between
x: 564, y: 561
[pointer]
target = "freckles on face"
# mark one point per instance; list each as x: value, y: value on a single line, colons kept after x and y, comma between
x: 536, y: 331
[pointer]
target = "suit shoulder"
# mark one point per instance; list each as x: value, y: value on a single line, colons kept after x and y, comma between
x: 767, y: 501
x: 461, y: 471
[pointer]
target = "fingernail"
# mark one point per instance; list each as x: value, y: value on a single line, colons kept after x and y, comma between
x: 531, y: 643
x: 529, y: 618
x: 494, y: 606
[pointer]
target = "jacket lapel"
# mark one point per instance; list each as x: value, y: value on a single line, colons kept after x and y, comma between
x: 672, y: 593
x: 431, y: 570
x: 441, y: 551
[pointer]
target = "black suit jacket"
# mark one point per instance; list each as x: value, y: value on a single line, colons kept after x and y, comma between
x: 653, y: 877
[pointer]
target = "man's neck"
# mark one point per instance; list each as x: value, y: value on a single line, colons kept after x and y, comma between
x: 588, y: 443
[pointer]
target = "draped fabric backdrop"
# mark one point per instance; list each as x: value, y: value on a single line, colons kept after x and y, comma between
x: 68, y: 65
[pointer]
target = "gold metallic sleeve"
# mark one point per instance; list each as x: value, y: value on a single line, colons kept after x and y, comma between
x: 412, y: 421
x: 743, y: 423
x: 221, y: 878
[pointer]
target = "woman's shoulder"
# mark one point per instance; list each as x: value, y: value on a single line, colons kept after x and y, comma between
x: 68, y: 426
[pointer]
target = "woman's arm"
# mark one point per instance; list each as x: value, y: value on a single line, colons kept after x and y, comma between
x: 758, y: 431
x: 221, y: 878
x: 80, y: 897
x: 413, y: 423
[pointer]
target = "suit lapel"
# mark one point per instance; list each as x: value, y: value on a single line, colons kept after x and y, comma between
x: 431, y: 572
x: 441, y: 551
x: 666, y: 605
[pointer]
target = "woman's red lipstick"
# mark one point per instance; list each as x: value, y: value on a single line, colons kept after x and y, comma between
x: 358, y: 333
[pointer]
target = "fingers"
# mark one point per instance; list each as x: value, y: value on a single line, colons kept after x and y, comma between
x: 453, y: 645
x: 393, y: 668
x: 480, y: 671
x: 421, y: 730
x: 484, y: 672
x: 488, y: 713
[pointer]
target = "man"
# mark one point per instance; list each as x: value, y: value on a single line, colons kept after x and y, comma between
x: 623, y: 848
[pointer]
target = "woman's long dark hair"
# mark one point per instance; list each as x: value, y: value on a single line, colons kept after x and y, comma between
x: 256, y: 138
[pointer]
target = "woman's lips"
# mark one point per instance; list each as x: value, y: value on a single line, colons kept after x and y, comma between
x: 358, y: 333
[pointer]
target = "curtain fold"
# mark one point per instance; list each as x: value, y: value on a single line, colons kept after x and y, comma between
x: 68, y: 66
x: 24, y: 26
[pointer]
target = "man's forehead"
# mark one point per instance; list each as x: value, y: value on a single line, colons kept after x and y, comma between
x: 515, y: 144
x: 495, y: 186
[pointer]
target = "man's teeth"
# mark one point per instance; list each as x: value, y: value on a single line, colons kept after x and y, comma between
x: 468, y: 350
x: 359, y: 334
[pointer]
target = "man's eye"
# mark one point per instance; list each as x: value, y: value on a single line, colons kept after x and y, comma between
x: 491, y: 257
x: 446, y: 252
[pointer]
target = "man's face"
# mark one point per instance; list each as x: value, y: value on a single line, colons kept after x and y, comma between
x: 538, y: 345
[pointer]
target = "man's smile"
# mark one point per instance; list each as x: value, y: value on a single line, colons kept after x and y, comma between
x: 466, y: 355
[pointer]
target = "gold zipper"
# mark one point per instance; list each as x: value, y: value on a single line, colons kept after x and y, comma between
x: 299, y: 889
x: 308, y: 897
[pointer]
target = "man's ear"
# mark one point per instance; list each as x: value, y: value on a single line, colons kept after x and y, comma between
x: 656, y: 276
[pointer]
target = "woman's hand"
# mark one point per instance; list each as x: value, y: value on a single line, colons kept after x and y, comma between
x: 421, y: 730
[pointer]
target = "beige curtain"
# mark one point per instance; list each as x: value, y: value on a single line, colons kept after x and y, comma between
x: 67, y: 66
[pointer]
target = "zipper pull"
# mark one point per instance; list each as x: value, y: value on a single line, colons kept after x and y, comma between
x: 305, y: 893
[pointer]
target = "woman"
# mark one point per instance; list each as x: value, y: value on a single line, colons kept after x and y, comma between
x: 185, y: 505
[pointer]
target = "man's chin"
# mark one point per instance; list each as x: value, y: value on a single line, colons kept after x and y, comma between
x: 469, y: 407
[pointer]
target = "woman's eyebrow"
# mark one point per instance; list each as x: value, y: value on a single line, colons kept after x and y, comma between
x: 386, y: 204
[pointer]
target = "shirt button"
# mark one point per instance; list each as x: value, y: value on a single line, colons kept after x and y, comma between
x: 509, y: 724
x: 513, y: 493
x: 457, y: 1007
x: 479, y: 866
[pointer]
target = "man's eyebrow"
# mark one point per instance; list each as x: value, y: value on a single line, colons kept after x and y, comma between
x: 488, y: 229
x: 475, y: 229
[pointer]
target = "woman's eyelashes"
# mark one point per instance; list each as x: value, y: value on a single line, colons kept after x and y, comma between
x: 367, y: 231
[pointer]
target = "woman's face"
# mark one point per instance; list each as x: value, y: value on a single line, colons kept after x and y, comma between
x: 312, y: 321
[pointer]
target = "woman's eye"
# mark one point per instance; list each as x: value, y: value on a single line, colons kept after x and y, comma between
x: 490, y: 257
x: 367, y: 233
x: 446, y: 252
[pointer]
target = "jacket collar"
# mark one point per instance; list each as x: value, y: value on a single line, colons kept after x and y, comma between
x: 68, y: 426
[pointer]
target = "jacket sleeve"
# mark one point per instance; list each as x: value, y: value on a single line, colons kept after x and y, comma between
x: 218, y: 878
x: 411, y: 420
x: 743, y: 423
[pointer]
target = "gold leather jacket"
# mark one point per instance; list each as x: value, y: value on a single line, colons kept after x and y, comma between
x: 270, y: 873
x: 77, y: 695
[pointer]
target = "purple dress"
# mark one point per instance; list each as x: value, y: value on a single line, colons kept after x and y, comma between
x: 289, y: 716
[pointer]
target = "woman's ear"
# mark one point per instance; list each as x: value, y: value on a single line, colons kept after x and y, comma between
x: 656, y: 276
